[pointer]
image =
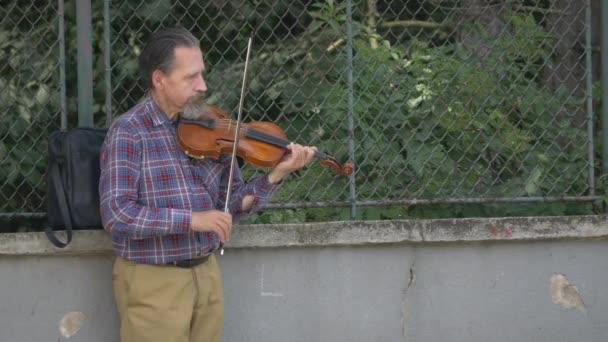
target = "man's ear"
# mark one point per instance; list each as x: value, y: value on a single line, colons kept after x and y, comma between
x: 158, y: 79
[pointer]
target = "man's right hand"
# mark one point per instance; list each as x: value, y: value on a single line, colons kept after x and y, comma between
x: 213, y: 220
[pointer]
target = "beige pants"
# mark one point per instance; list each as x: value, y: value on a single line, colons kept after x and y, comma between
x: 168, y: 303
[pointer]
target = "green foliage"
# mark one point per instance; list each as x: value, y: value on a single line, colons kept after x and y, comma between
x: 437, y: 122
x: 28, y: 106
x: 433, y: 118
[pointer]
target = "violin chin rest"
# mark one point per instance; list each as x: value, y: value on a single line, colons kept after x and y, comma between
x: 192, y: 155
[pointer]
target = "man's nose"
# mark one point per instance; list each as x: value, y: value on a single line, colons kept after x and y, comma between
x: 200, y: 85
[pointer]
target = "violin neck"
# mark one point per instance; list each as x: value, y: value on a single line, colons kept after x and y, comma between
x: 266, y: 138
x: 275, y: 141
x: 320, y: 155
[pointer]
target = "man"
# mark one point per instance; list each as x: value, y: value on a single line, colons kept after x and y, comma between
x: 161, y: 207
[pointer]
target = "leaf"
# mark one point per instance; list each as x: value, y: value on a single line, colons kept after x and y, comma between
x: 155, y: 11
x: 3, y: 150
x: 314, y: 26
x: 413, y: 103
x: 34, y: 177
x: 531, y: 186
x: 12, y: 172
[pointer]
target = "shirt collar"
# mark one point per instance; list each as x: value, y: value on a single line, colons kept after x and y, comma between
x: 156, y: 114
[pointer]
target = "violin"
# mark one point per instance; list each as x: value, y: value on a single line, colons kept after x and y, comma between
x: 260, y: 143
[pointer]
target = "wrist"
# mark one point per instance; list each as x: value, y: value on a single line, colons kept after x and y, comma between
x: 193, y: 220
x: 275, y: 176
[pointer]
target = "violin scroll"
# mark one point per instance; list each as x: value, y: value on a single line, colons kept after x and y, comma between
x: 345, y: 169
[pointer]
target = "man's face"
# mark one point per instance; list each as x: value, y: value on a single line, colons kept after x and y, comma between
x: 185, y: 83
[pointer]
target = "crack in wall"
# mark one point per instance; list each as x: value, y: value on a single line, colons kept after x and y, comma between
x: 410, y: 283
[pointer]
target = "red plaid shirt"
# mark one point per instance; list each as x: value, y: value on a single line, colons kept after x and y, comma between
x: 149, y: 189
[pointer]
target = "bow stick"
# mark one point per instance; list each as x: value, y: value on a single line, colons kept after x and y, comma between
x: 236, y: 135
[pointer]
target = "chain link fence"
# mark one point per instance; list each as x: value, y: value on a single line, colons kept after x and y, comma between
x: 30, y: 88
x: 433, y: 101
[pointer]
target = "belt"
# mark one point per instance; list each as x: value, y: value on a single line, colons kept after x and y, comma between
x: 190, y: 262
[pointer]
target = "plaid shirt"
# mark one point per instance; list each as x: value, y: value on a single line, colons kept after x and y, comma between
x: 149, y: 188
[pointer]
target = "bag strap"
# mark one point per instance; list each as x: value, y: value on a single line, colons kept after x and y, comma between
x: 63, y: 207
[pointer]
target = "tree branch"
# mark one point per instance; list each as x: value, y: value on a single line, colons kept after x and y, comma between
x: 416, y: 23
x: 538, y: 9
x: 372, y: 15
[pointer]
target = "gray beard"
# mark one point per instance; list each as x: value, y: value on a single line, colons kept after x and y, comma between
x: 194, y: 108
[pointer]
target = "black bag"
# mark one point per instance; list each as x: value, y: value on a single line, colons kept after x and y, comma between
x: 72, y: 181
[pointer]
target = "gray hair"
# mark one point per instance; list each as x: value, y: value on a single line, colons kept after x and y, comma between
x: 159, y: 52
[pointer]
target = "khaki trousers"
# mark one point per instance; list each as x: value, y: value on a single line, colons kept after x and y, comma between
x: 168, y: 303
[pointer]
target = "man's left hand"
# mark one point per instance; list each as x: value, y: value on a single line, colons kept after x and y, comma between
x: 299, y: 157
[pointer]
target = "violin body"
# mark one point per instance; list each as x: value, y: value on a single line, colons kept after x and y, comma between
x: 260, y: 143
x: 200, y: 142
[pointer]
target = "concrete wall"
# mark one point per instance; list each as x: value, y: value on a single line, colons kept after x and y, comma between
x: 516, y: 279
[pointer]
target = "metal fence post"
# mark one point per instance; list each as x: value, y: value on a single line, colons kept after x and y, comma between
x: 351, y: 109
x: 61, y: 39
x: 589, y: 89
x: 107, y: 60
x: 85, y: 63
x: 604, y: 58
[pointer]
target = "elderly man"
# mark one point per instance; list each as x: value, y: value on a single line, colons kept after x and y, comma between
x: 162, y: 208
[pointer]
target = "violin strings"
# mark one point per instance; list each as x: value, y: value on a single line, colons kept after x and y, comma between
x: 253, y: 133
x: 268, y: 138
x: 259, y: 135
x: 271, y: 139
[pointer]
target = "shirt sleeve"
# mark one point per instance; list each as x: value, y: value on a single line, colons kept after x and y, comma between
x: 121, y: 214
x: 260, y: 188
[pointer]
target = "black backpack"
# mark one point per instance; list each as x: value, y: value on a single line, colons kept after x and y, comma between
x: 72, y: 177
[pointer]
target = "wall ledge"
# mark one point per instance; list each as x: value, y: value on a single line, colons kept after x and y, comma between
x: 347, y: 233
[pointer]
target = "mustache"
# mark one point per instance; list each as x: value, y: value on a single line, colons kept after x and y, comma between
x: 195, y: 106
